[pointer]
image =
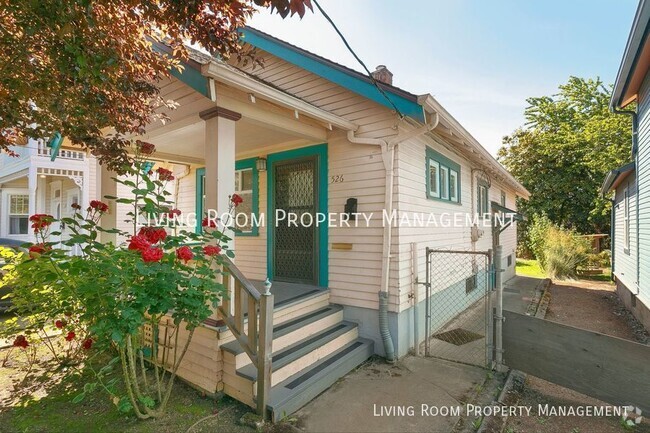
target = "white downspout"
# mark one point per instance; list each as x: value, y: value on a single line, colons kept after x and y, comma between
x: 388, y: 158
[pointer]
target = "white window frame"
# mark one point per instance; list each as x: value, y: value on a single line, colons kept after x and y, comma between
x: 5, y: 201
x: 434, y: 193
x: 239, y: 181
x: 483, y: 199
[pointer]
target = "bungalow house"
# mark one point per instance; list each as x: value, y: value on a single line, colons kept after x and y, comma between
x: 630, y: 185
x: 304, y: 135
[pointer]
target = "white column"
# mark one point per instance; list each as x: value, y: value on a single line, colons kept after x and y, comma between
x: 219, y: 158
x: 32, y: 182
x: 107, y: 186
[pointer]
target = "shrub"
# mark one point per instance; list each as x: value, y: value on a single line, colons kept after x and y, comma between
x: 102, y: 299
x: 537, y: 232
x: 563, y: 251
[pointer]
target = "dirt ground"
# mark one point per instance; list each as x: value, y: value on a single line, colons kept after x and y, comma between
x: 589, y: 305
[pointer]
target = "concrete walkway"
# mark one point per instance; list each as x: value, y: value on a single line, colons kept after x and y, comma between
x: 522, y: 294
x: 367, y: 399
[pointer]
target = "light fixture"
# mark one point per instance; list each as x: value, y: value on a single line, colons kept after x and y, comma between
x: 261, y: 164
x: 43, y: 176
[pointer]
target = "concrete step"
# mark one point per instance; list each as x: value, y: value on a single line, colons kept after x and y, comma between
x: 288, y: 333
x: 286, y: 311
x: 302, y: 387
x: 304, y: 353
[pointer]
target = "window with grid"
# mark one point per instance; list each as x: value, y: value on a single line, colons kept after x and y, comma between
x: 18, y: 214
x: 442, y: 177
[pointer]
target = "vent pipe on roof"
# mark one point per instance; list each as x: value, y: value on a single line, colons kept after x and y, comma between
x: 382, y: 74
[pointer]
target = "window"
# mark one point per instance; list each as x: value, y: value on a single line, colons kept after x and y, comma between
x: 482, y: 196
x: 626, y: 221
x: 443, y: 177
x: 18, y: 214
x: 246, y: 186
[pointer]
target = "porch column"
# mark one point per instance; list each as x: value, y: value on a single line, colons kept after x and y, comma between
x: 219, y: 158
x: 32, y: 183
x: 106, y: 186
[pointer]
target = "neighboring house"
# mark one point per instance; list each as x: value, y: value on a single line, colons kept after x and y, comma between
x: 33, y: 182
x: 631, y: 183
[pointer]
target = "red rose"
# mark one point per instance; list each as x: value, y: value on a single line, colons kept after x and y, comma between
x: 145, y: 148
x: 174, y: 212
x: 71, y: 335
x: 37, y: 250
x: 236, y: 199
x: 184, y: 253
x: 21, y: 341
x: 98, y: 206
x: 153, y: 234
x: 211, y: 250
x: 87, y: 344
x: 40, y: 221
x: 139, y: 242
x: 152, y: 255
x: 60, y: 324
x: 209, y: 223
x: 164, y: 174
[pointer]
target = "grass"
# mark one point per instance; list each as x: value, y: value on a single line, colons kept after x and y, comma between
x: 529, y: 268
x: 42, y: 402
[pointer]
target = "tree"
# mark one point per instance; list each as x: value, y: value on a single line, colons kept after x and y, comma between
x: 83, y: 67
x: 564, y: 151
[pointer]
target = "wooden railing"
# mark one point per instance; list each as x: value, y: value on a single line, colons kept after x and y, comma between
x: 255, y: 335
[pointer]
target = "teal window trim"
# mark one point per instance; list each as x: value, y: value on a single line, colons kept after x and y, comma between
x: 450, y: 169
x: 250, y: 163
x: 244, y: 164
x: 320, y: 151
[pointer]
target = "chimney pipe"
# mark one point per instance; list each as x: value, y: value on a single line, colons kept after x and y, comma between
x: 382, y: 74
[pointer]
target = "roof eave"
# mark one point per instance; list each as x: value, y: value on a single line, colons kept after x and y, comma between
x: 614, y: 177
x: 634, y: 44
x: 431, y: 105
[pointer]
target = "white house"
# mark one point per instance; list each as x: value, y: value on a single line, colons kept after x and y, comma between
x: 303, y: 134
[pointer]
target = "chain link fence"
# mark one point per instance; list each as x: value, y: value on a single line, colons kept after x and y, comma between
x: 458, y: 320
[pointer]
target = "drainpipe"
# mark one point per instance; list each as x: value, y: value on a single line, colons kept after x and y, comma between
x: 388, y: 158
x: 612, y: 240
x: 635, y: 155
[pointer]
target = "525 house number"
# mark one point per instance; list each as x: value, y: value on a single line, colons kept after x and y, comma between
x: 338, y: 178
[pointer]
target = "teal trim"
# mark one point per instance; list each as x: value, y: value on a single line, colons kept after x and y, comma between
x: 320, y: 151
x: 447, y: 163
x: 251, y: 163
x: 190, y: 75
x: 55, y: 143
x: 351, y: 80
x: 200, y: 174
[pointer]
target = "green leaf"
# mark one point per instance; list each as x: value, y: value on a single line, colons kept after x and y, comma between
x: 79, y: 398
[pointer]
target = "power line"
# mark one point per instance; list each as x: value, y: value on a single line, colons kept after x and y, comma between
x: 372, y: 79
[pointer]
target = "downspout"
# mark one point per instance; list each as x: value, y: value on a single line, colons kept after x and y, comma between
x: 388, y: 158
x: 635, y: 155
x: 612, y: 239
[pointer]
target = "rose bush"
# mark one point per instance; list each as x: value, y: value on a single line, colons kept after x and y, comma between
x: 104, y: 298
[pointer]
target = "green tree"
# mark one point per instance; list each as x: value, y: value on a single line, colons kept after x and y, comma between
x: 563, y: 152
x: 82, y: 67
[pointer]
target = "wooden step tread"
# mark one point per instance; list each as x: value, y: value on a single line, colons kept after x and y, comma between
x: 302, y: 387
x: 299, y: 349
x: 287, y: 327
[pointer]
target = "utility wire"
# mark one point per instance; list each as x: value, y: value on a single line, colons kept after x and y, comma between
x: 372, y: 79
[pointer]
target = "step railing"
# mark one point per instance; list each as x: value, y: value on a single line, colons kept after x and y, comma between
x: 255, y: 335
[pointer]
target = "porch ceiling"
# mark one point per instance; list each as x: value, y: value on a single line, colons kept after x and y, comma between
x: 251, y: 138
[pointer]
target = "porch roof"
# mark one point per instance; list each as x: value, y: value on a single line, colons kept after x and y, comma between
x: 615, y: 177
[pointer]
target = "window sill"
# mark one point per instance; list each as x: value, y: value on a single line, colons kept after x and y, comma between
x: 442, y: 200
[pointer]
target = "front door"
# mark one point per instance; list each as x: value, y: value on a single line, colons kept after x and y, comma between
x: 295, y: 203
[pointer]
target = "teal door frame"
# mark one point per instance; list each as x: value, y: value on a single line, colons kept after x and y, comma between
x: 320, y: 152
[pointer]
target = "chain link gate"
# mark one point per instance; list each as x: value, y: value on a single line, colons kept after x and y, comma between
x: 458, y: 319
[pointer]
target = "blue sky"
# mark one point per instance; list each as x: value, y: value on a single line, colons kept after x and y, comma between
x: 480, y: 58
